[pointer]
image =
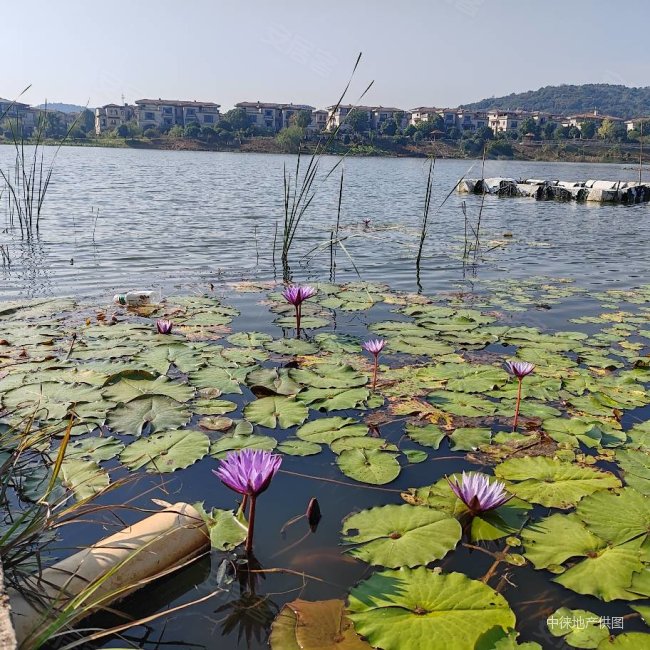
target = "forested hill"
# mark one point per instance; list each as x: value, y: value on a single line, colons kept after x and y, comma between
x: 608, y: 99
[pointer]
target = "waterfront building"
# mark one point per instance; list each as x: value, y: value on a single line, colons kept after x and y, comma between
x: 165, y: 113
x: 110, y: 116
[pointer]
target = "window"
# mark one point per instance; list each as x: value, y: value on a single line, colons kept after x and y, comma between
x: 149, y: 116
x: 514, y: 125
x: 167, y: 110
x: 268, y: 113
x: 208, y: 119
x: 191, y: 111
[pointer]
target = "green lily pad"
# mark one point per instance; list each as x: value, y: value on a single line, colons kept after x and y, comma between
x: 327, y: 430
x: 291, y: 347
x: 551, y: 482
x: 635, y: 464
x: 126, y: 386
x: 369, y: 465
x: 249, y: 339
x: 274, y: 380
x: 412, y: 609
x: 161, y: 357
x: 362, y: 442
x: 226, y: 531
x: 334, y: 399
x: 329, y: 375
x: 394, y: 536
x: 154, y: 411
x: 469, y: 439
x: 94, y: 448
x: 271, y: 411
x: 235, y: 442
x: 213, y: 406
x: 296, y: 447
x: 580, y: 628
x: 428, y: 435
x: 166, y: 451
x: 462, y: 404
x: 226, y: 380
x: 84, y: 477
x: 415, y: 456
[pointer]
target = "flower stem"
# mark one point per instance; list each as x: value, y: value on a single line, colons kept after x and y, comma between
x: 514, y: 425
x: 251, y: 524
x: 374, y: 372
x: 298, y: 316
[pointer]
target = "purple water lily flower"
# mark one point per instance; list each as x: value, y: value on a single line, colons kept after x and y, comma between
x: 374, y: 346
x: 519, y: 368
x: 164, y: 326
x: 477, y: 492
x: 296, y: 295
x: 248, y: 472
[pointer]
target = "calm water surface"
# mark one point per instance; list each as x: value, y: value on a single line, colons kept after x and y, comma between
x: 170, y: 220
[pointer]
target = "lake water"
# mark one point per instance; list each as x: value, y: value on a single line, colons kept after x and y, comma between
x: 170, y: 218
x: 182, y: 220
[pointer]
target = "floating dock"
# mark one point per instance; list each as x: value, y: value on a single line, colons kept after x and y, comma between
x: 627, y: 192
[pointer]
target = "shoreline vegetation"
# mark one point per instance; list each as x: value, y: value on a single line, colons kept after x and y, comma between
x: 592, y: 151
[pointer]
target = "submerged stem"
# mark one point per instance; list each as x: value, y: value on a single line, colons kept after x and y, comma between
x: 374, y: 372
x: 251, y: 524
x: 514, y: 425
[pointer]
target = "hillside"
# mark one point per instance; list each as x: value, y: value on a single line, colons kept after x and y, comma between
x: 608, y: 99
x: 64, y: 108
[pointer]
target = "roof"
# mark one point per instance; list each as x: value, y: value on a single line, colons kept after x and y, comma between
x: 425, y: 109
x: 175, y: 102
x: 598, y: 116
x: 302, y: 107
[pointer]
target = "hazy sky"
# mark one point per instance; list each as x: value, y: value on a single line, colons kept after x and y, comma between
x: 418, y: 52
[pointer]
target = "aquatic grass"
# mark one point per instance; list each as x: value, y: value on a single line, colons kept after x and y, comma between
x: 519, y: 369
x: 31, y: 177
x: 425, y: 216
x: 249, y: 472
x: 300, y: 188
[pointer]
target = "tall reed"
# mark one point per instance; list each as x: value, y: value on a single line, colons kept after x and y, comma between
x: 31, y: 178
x: 300, y: 187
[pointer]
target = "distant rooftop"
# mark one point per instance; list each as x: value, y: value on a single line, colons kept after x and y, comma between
x: 175, y: 102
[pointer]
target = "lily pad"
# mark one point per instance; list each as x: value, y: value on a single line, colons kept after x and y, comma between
x: 271, y: 411
x: 578, y: 627
x: 412, y: 609
x: 84, y: 477
x: 226, y: 531
x: 394, y: 536
x: 126, y: 386
x: 428, y: 435
x: 551, y: 482
x: 327, y: 430
x: 154, y: 411
x: 166, y: 451
x: 369, y: 465
x: 296, y: 447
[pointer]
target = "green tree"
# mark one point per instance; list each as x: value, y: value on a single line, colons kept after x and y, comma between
x: 192, y: 130
x: 574, y: 133
x: 151, y: 132
x: 301, y: 119
x: 237, y: 119
x: 86, y: 121
x: 587, y: 129
x: 610, y: 130
x: 176, y: 131
x: 529, y: 125
x: 358, y: 121
x: 389, y: 127
x: 121, y: 131
x: 548, y: 130
x: 290, y: 138
x: 561, y: 132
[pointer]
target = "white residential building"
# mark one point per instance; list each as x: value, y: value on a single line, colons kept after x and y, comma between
x: 165, y: 113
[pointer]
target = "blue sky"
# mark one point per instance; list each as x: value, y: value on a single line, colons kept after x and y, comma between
x: 418, y: 52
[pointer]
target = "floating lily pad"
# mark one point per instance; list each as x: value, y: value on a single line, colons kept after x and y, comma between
x: 428, y: 435
x: 94, y: 448
x: 327, y: 430
x: 166, y: 451
x: 84, y: 477
x: 154, y: 411
x: 411, y: 609
x: 462, y: 404
x: 127, y: 386
x: 334, y: 399
x: 296, y: 447
x: 226, y: 380
x: 291, y: 347
x: 235, y: 442
x: 469, y: 438
x: 362, y: 442
x: 179, y: 354
x: 369, y: 465
x: 394, y: 536
x: 578, y: 627
x: 319, y: 625
x: 226, y: 531
x: 271, y: 411
x: 329, y: 376
x: 274, y: 380
x: 551, y: 482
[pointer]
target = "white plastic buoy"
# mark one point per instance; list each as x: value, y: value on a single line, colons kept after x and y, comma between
x: 111, y: 569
